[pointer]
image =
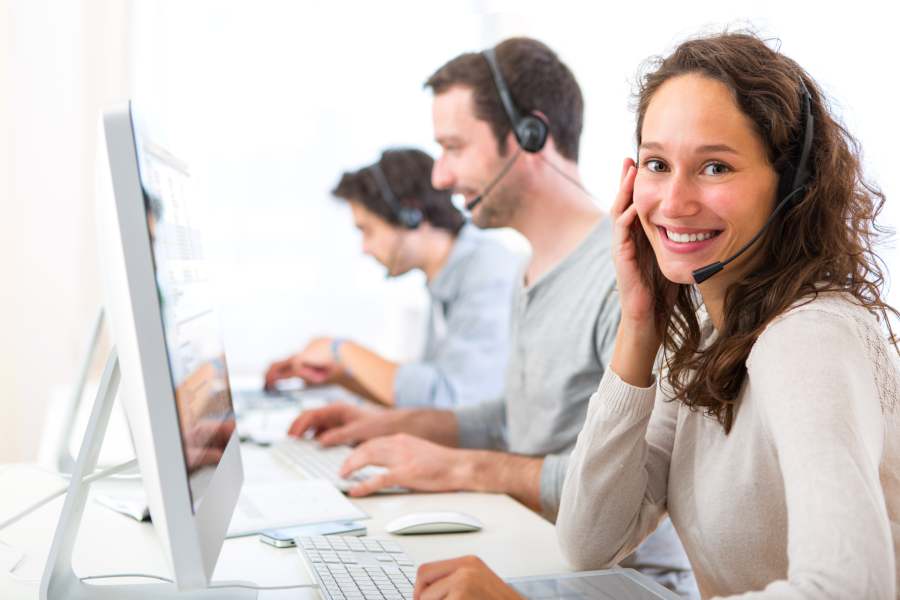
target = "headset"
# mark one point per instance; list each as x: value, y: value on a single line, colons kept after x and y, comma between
x: 792, y: 181
x: 409, y: 217
x: 531, y: 131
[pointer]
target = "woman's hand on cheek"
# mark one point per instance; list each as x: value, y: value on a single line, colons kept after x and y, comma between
x: 635, y: 296
x: 637, y: 340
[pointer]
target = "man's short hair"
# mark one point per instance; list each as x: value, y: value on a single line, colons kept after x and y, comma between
x: 408, y: 173
x: 537, y: 81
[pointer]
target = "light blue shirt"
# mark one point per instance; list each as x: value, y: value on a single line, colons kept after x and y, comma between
x: 467, y: 339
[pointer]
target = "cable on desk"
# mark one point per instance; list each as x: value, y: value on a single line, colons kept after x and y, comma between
x: 61, y: 491
x: 136, y: 476
x: 11, y: 571
x: 213, y: 586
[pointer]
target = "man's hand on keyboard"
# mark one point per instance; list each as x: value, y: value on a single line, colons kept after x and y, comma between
x: 411, y: 462
x: 342, y: 423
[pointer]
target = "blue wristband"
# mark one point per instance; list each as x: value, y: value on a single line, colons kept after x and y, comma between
x: 336, y: 344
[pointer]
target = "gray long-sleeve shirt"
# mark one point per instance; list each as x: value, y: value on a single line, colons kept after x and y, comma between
x: 561, y: 340
x: 467, y: 339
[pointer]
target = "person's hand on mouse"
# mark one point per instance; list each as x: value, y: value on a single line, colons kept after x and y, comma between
x: 465, y: 577
x: 411, y: 462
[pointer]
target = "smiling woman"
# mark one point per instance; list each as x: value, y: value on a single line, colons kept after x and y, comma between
x: 792, y: 488
x: 706, y: 185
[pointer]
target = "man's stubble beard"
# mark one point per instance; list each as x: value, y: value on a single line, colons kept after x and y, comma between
x: 497, y: 210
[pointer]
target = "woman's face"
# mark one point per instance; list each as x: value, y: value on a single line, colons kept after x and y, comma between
x: 704, y: 185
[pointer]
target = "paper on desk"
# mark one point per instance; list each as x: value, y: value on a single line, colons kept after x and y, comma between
x: 298, y: 502
x: 260, y: 506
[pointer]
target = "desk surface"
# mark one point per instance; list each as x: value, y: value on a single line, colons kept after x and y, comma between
x: 514, y: 542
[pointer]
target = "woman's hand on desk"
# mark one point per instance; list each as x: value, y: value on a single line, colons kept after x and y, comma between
x: 466, y: 577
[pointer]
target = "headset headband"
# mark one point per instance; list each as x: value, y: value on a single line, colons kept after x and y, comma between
x: 407, y: 216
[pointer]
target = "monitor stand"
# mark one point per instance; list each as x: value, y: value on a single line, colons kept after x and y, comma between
x: 59, y: 581
x: 54, y: 451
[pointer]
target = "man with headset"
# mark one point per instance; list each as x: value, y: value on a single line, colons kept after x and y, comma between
x: 509, y: 122
x: 406, y: 224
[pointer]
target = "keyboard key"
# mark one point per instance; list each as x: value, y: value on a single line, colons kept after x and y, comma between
x: 321, y: 543
x: 391, y: 546
x: 355, y: 544
x: 338, y: 543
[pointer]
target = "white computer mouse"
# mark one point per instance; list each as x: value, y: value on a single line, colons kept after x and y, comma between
x: 433, y: 522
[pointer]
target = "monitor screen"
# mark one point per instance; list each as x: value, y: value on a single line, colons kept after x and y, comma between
x: 196, y: 353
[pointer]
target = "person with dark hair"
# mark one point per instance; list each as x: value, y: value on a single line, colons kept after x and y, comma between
x: 772, y: 437
x: 406, y: 224
x: 515, y: 162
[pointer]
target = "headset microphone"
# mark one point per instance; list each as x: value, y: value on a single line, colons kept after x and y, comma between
x: 797, y: 176
x: 490, y: 187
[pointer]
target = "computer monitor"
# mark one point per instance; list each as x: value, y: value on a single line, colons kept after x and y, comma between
x: 174, y: 376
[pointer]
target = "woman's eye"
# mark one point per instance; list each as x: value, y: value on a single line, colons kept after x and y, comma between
x: 715, y: 169
x: 655, y: 166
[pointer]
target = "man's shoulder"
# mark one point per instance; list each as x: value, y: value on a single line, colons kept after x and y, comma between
x: 491, y: 256
x: 593, y: 264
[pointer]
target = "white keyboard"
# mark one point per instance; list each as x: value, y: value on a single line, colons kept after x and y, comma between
x: 352, y: 568
x: 316, y: 462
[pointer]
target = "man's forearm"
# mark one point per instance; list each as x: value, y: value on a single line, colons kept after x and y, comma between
x: 438, y: 426
x: 372, y: 376
x: 513, y: 474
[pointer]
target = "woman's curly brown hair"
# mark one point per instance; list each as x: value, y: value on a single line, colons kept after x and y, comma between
x: 824, y: 241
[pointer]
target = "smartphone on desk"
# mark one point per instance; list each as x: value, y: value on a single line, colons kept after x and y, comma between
x: 284, y: 536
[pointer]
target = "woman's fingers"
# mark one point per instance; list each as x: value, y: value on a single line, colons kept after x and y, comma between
x: 626, y: 190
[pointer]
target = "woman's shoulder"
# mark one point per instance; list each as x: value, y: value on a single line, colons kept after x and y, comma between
x: 833, y: 330
x: 825, y: 314
x: 825, y: 322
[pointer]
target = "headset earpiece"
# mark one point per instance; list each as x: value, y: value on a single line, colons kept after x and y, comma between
x: 531, y: 131
x: 408, y: 216
x: 797, y: 172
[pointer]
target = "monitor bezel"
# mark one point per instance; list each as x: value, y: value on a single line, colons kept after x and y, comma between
x: 192, y: 536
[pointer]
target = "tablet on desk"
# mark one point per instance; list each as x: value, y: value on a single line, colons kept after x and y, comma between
x: 612, y: 584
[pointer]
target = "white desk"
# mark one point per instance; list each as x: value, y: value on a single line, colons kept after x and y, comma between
x: 515, y: 541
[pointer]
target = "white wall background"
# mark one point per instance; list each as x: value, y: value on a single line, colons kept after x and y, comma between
x: 270, y: 101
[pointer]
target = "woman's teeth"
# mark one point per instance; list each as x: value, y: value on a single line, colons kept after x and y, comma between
x: 684, y: 238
